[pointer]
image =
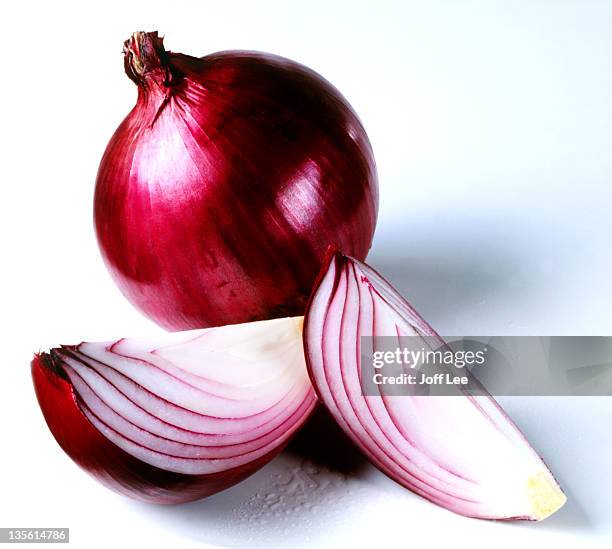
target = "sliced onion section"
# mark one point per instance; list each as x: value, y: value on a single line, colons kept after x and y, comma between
x: 180, y: 416
x: 461, y: 452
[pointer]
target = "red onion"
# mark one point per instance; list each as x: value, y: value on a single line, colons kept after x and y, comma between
x: 461, y: 452
x: 180, y: 416
x: 219, y: 193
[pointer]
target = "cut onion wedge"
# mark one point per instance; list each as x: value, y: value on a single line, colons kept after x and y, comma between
x: 180, y: 416
x: 461, y: 452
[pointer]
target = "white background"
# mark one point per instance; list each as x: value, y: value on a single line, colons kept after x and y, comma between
x: 491, y: 123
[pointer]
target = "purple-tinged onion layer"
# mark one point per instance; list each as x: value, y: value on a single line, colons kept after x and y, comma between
x: 180, y: 416
x: 219, y: 193
x: 461, y: 452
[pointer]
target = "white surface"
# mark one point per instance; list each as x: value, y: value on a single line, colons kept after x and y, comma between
x: 491, y: 123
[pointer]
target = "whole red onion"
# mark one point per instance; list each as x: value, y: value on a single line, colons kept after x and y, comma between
x: 219, y: 193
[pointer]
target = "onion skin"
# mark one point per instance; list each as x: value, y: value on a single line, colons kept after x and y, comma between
x: 220, y: 192
x: 461, y: 452
x: 63, y: 408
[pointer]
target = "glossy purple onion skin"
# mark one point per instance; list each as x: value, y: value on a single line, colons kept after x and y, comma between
x: 220, y: 192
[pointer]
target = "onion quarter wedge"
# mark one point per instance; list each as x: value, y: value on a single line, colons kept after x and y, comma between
x: 461, y: 452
